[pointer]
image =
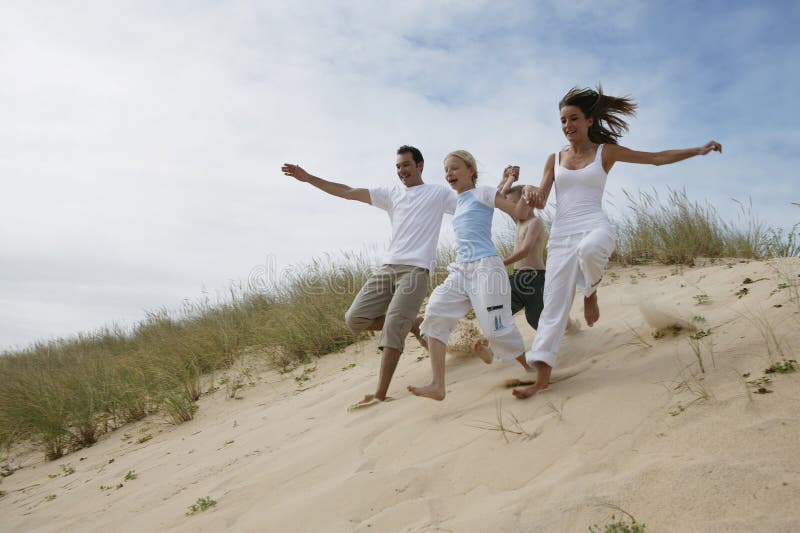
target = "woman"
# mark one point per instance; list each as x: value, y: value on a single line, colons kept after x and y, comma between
x: 477, y: 279
x: 581, y: 237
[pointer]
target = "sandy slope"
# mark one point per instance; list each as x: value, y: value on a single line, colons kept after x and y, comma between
x: 283, y: 459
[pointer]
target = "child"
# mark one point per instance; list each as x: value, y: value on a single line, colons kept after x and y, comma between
x: 527, y: 279
x: 477, y: 279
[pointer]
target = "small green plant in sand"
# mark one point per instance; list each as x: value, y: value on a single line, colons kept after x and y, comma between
x: 422, y: 357
x: 348, y: 366
x: 782, y: 367
x: 674, y: 329
x: 699, y: 319
x: 744, y: 291
x: 512, y: 427
x: 50, y: 497
x: 623, y: 524
x: 144, y: 438
x: 693, y: 385
x: 67, y: 469
x: 131, y: 475
x: 701, y: 298
x: 772, y: 342
x: 202, y: 504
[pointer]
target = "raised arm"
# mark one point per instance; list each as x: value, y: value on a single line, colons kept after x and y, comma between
x: 510, y: 176
x: 519, y: 210
x: 534, y: 230
x: 330, y: 187
x: 613, y: 153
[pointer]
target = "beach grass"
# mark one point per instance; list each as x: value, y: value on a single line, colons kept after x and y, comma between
x: 63, y: 394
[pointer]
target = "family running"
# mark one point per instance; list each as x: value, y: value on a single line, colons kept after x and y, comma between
x: 580, y: 244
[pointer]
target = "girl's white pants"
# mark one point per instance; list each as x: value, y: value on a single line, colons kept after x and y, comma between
x: 573, y: 261
x: 483, y: 286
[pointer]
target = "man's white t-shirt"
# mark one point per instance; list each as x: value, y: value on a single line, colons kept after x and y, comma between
x: 416, y: 217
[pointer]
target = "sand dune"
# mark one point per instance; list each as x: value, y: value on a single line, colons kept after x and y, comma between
x: 631, y: 421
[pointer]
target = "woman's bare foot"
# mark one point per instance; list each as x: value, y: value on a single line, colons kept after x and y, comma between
x: 482, y: 350
x: 415, y: 331
x: 591, y: 311
x: 431, y: 391
x: 543, y: 371
x: 527, y: 392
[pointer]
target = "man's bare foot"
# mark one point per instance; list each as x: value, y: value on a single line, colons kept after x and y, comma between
x: 431, y: 391
x: 527, y: 392
x: 415, y: 331
x: 482, y: 350
x: 591, y: 311
x: 368, y: 401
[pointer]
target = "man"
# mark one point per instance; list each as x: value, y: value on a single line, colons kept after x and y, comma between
x: 391, y: 297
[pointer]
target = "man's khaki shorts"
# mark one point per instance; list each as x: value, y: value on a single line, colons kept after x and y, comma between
x: 394, y: 292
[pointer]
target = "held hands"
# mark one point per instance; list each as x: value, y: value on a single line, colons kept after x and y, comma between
x: 511, y: 172
x: 709, y: 147
x: 295, y: 171
x: 534, y: 196
x: 510, y: 175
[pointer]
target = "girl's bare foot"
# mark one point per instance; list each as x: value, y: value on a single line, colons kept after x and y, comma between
x: 431, y: 391
x: 482, y: 350
x: 591, y: 311
x: 415, y: 331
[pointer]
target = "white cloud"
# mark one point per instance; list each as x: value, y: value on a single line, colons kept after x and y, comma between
x: 141, y: 142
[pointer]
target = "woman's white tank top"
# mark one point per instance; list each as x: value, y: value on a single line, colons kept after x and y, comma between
x: 579, y: 197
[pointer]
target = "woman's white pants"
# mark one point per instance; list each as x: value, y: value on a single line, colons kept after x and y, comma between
x: 573, y: 261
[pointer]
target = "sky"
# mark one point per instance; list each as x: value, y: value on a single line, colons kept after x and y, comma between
x: 141, y: 142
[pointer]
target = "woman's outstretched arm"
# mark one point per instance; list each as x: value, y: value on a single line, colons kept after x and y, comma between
x: 613, y: 153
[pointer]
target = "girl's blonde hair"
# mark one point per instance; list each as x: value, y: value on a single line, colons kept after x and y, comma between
x: 468, y: 160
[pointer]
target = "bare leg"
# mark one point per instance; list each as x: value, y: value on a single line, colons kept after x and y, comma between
x: 591, y: 311
x: 388, y: 365
x: 415, y: 331
x: 483, y: 351
x: 435, y: 390
x: 542, y: 381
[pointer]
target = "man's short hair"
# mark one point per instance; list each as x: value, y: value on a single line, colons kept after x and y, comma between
x: 415, y: 153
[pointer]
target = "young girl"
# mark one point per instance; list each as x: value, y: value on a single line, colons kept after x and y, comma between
x: 477, y: 279
x: 581, y: 237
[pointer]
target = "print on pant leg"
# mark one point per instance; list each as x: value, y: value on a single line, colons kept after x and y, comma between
x: 498, y: 318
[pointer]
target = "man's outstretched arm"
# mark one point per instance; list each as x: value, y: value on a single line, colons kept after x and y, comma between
x: 330, y: 187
